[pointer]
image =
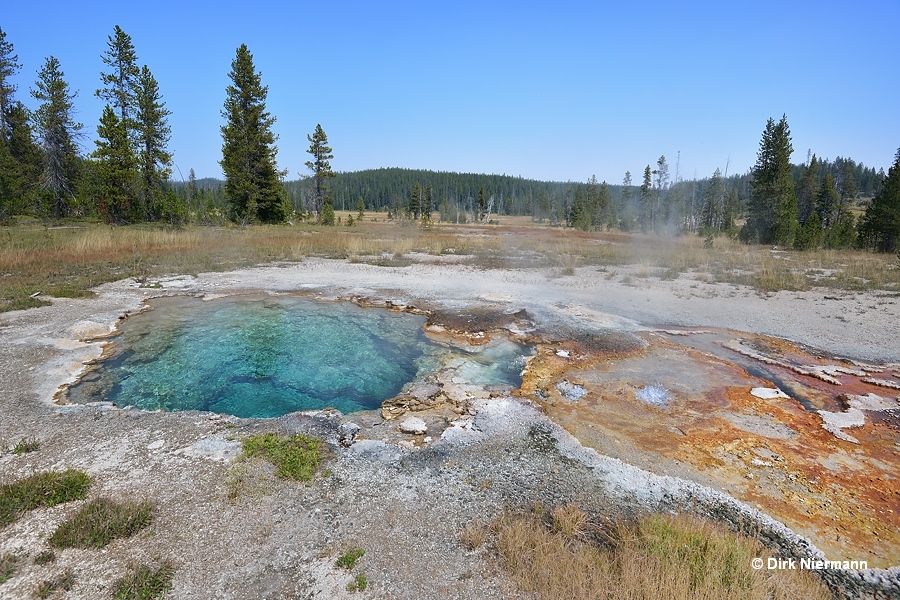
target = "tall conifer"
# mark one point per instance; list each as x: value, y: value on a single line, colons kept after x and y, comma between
x: 772, y: 215
x: 253, y: 188
x: 57, y: 131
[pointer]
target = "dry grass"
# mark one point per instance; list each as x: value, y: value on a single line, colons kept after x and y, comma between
x: 68, y: 262
x: 561, y: 555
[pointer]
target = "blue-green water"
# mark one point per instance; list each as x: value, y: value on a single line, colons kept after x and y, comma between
x: 268, y: 356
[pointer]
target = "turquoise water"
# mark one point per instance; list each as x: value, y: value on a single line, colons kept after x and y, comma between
x: 268, y: 356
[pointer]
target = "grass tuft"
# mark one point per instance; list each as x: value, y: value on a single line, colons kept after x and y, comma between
x: 64, y: 581
x: 8, y: 564
x: 348, y: 559
x: 359, y: 583
x: 101, y: 521
x: 42, y: 489
x: 295, y: 457
x: 145, y: 582
x: 656, y: 557
x: 24, y: 446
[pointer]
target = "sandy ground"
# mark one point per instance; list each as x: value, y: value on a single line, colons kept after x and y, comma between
x: 406, y: 507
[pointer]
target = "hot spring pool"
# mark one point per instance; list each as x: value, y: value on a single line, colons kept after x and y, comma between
x: 268, y: 356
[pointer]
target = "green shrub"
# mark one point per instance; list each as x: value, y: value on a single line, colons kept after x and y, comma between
x: 7, y: 566
x: 145, y: 582
x: 101, y: 521
x: 349, y: 558
x: 296, y: 457
x: 41, y: 489
x: 24, y: 446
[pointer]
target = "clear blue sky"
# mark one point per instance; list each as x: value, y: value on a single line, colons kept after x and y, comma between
x: 551, y: 90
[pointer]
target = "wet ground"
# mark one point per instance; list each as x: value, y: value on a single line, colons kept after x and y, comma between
x: 823, y: 456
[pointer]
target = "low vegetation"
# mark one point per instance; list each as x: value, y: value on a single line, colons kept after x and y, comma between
x: 101, y: 521
x: 64, y: 581
x: 348, y: 559
x: 8, y: 564
x: 560, y: 554
x: 25, y: 446
x: 359, y: 584
x: 38, y: 262
x: 41, y: 489
x: 295, y: 457
x: 145, y: 582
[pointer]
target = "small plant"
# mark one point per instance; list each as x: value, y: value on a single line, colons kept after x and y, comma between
x: 41, y: 489
x: 45, y: 557
x: 473, y: 535
x: 349, y: 558
x: 569, y: 520
x: 7, y: 566
x: 359, y: 583
x: 24, y: 446
x: 296, y: 457
x: 145, y: 582
x: 101, y: 521
x: 63, y: 581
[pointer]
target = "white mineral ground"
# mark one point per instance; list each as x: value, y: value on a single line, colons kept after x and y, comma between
x: 404, y: 506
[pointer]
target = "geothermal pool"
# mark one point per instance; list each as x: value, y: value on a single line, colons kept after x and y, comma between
x: 266, y: 356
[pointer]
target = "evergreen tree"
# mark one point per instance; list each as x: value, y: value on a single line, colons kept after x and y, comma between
x: 121, y: 83
x: 712, y: 215
x: 20, y: 162
x: 580, y: 213
x: 428, y: 204
x: 772, y: 215
x: 9, y: 66
x: 828, y: 203
x: 116, y: 168
x: 57, y: 131
x: 660, y: 212
x: 481, y: 209
x: 608, y: 214
x: 808, y: 190
x: 646, y: 217
x: 880, y: 227
x: 626, y: 211
x: 19, y: 157
x: 153, y: 133
x: 321, y: 168
x: 415, y: 201
x: 253, y: 189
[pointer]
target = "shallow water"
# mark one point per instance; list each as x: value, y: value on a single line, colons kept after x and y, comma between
x: 268, y: 356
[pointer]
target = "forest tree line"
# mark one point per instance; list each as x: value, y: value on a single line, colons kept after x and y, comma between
x: 127, y: 178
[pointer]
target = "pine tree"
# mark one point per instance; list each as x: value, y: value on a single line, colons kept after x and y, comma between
x: 9, y: 66
x: 428, y: 204
x: 660, y: 211
x: 19, y: 156
x: 626, y: 210
x: 321, y: 168
x: 880, y: 227
x: 121, y: 83
x: 482, y: 206
x: 253, y: 188
x: 712, y: 214
x: 20, y: 162
x: 153, y: 134
x: 116, y: 169
x: 808, y: 191
x: 646, y: 217
x: 57, y: 131
x: 415, y: 201
x: 772, y: 215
